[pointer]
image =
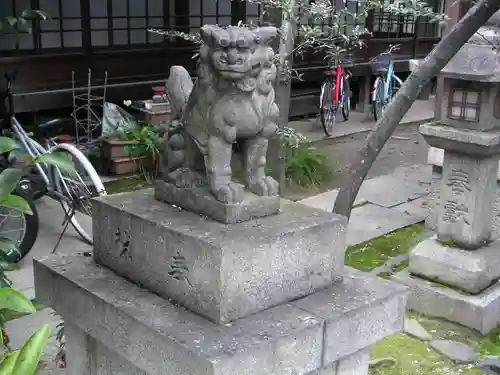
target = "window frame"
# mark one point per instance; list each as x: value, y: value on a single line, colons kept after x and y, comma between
x: 463, y: 104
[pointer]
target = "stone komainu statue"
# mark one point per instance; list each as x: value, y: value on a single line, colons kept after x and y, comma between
x: 231, y: 101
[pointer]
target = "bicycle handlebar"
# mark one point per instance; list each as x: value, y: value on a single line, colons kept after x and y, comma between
x: 11, y: 76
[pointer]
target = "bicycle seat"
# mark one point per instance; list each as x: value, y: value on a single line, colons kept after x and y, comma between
x: 50, y: 127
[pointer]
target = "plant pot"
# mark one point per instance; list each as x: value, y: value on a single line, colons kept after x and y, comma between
x: 124, y: 166
x: 112, y: 149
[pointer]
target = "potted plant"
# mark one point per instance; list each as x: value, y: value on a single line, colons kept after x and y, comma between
x: 133, y: 150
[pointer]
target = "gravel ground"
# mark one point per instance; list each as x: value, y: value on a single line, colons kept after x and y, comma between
x: 406, y: 147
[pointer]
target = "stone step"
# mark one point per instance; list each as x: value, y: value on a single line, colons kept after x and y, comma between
x: 298, y: 337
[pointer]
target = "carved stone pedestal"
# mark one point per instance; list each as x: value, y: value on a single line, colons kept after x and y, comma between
x: 170, y: 292
x: 222, y: 272
x: 455, y: 274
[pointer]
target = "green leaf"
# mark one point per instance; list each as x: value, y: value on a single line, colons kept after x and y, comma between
x: 14, y: 300
x: 30, y: 354
x: 58, y: 159
x: 9, y: 178
x: 17, y: 203
x: 12, y: 21
x: 7, y: 365
x: 7, y: 245
x: 7, y: 145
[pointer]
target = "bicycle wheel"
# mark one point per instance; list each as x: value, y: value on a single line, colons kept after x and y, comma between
x: 20, y: 228
x: 328, y: 107
x: 346, y: 100
x: 79, y: 188
x: 378, y: 99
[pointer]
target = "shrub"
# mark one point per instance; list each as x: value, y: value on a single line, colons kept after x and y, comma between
x: 307, y: 166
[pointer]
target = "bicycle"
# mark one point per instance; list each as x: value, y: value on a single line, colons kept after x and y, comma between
x: 70, y: 190
x: 334, y: 93
x: 386, y: 84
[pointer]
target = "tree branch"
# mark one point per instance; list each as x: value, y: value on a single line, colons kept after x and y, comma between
x: 407, y: 94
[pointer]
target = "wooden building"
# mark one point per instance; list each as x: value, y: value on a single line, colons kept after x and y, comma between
x: 112, y: 36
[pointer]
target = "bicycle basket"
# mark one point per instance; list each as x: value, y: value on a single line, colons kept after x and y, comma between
x: 381, y: 63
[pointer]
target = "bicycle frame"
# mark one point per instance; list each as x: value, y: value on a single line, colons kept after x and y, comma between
x: 387, y: 79
x: 339, y: 82
x: 340, y: 74
x: 33, y: 148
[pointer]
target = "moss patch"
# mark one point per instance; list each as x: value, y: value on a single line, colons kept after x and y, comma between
x: 374, y: 253
x: 413, y: 357
x: 126, y: 184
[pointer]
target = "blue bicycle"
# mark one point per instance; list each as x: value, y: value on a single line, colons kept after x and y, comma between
x: 386, y: 84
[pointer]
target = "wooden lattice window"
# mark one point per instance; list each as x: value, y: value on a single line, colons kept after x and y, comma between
x: 464, y: 104
x: 125, y: 22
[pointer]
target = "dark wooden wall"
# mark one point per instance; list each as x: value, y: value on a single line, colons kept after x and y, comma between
x: 111, y: 36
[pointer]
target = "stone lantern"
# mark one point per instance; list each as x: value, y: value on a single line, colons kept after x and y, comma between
x: 463, y: 255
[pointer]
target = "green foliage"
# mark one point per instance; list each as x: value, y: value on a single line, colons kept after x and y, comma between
x: 22, y: 24
x: 290, y: 137
x: 323, y: 27
x: 26, y: 360
x: 307, y: 166
x: 375, y: 253
x: 14, y: 300
x: 57, y: 159
x: 148, y: 146
x: 9, y: 179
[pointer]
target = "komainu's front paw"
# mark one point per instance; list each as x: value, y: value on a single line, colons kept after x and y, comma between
x: 268, y: 186
x: 231, y: 193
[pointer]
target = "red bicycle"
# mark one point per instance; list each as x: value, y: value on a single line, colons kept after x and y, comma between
x: 335, y: 93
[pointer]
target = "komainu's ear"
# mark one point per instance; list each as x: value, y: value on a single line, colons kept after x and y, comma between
x: 206, y: 33
x: 265, y: 34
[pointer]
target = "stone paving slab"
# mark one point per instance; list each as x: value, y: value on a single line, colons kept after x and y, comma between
x: 384, y: 203
x: 343, y: 129
x: 421, y: 111
x: 370, y: 221
x: 417, y: 207
x: 403, y: 185
x: 23, y: 278
x: 21, y: 329
x: 325, y: 201
x: 51, y: 369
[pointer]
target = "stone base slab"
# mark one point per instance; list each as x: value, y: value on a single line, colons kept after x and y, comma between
x: 470, y: 142
x: 468, y: 270
x: 147, y: 335
x: 201, y: 201
x: 222, y: 272
x: 480, y: 312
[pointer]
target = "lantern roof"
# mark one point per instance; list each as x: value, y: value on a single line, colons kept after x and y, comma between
x: 478, y: 59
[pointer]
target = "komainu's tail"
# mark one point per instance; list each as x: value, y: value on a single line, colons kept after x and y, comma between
x: 178, y: 88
